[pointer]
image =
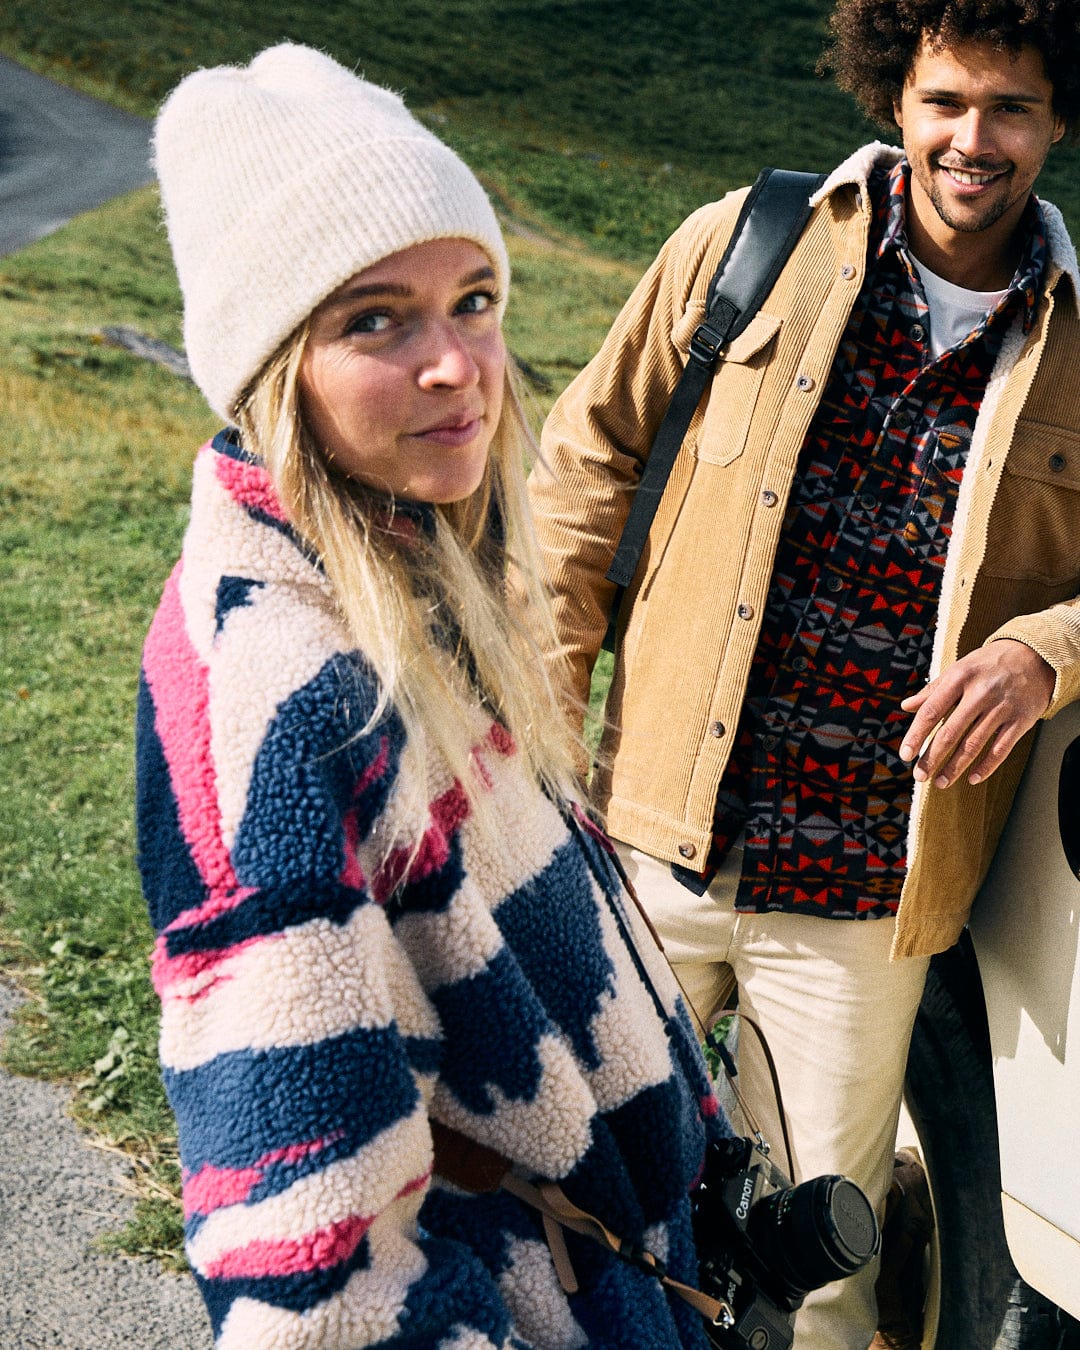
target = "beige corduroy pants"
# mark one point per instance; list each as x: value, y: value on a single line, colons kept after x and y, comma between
x: 837, y: 1015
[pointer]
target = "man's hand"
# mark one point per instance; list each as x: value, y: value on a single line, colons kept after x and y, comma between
x: 981, y: 707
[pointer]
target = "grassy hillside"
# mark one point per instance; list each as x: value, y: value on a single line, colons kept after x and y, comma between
x: 597, y: 121
x: 613, y: 117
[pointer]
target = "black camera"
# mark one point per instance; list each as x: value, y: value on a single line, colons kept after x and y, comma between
x: 764, y: 1244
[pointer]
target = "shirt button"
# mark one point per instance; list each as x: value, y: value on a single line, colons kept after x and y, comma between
x: 834, y: 583
x: 799, y: 663
x: 716, y: 728
x: 918, y: 332
x: 805, y: 383
x: 769, y: 498
x: 745, y: 611
x: 769, y: 742
x: 847, y: 271
x: 687, y: 850
x: 901, y: 418
x: 868, y: 501
x: 1057, y: 463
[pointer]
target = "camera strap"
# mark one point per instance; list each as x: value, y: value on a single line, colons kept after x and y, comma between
x: 474, y: 1167
x: 713, y: 1041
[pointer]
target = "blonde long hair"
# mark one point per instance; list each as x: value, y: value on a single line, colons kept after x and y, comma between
x: 393, y: 583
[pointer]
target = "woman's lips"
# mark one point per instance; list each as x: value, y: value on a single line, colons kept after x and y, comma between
x: 453, y: 432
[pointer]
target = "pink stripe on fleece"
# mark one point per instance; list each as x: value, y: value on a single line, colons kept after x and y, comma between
x: 249, y: 485
x: 500, y: 739
x: 352, y: 874
x: 179, y: 684
x: 315, y: 1251
x: 319, y: 1250
x: 167, y: 971
x: 447, y: 814
x: 376, y: 769
x: 214, y: 1187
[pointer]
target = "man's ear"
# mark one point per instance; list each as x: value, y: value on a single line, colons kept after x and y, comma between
x: 898, y: 116
x: 1059, y: 129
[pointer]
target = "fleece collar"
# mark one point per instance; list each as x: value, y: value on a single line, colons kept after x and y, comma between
x: 855, y: 172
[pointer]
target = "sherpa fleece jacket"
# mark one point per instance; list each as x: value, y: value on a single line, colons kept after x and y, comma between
x: 321, y: 1004
x: 690, y: 619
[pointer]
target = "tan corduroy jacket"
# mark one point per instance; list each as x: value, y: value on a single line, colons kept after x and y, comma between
x: 689, y: 623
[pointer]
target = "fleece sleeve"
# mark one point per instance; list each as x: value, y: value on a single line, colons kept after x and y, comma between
x: 298, y: 1048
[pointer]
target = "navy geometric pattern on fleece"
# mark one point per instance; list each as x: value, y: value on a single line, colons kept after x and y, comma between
x: 324, y: 998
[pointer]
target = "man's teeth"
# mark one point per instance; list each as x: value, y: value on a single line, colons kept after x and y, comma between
x: 967, y: 177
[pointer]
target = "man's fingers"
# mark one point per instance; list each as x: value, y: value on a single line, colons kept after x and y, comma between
x: 934, y: 706
x: 959, y: 744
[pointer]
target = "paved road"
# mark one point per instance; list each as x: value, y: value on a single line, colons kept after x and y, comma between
x: 61, y: 153
x: 56, y: 1195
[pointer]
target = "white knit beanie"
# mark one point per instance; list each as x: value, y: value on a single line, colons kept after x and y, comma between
x: 281, y: 180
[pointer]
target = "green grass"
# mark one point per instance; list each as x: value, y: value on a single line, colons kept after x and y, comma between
x: 599, y: 124
x: 612, y: 119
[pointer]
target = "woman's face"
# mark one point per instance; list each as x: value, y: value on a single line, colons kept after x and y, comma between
x: 401, y: 381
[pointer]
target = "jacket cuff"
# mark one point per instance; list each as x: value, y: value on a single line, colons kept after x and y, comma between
x: 1054, y: 634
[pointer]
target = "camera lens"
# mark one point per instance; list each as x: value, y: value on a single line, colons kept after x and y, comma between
x: 819, y: 1231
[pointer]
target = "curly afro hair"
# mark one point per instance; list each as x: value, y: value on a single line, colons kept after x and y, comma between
x: 874, y: 43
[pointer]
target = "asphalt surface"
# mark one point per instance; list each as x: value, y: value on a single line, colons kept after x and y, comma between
x: 56, y: 1195
x: 61, y: 153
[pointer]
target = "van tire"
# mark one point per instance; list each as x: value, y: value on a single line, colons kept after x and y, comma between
x: 949, y: 1092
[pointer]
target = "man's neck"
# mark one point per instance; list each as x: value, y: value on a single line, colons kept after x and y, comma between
x: 977, y: 260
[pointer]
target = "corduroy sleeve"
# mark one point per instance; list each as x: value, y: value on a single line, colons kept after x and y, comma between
x: 598, y: 435
x: 1055, y: 635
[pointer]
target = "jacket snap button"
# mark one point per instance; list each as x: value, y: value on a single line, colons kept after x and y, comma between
x: 800, y: 663
x: 687, y: 850
x: 745, y: 611
x: 716, y: 729
x: 847, y: 271
x: 769, y: 498
x: 805, y: 383
x: 1057, y: 463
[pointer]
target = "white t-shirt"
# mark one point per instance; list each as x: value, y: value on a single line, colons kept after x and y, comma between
x: 954, y: 311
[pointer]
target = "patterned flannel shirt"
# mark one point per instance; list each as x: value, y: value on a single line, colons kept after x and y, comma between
x: 816, y: 780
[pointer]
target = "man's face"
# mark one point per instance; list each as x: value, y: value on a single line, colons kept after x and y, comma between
x: 977, y: 124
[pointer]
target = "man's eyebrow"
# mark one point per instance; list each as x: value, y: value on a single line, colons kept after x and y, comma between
x: 1005, y: 97
x: 398, y: 290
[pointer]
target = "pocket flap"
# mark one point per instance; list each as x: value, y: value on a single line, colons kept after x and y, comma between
x: 1045, y: 453
x: 756, y: 335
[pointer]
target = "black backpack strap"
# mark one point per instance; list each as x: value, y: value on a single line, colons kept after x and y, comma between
x: 770, y: 222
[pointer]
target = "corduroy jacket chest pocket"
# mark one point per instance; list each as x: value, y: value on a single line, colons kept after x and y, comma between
x: 1035, y: 524
x: 718, y: 435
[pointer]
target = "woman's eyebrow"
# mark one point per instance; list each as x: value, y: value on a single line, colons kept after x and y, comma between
x: 399, y: 290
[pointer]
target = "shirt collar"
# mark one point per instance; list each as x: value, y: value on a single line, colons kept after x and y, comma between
x: 890, y: 219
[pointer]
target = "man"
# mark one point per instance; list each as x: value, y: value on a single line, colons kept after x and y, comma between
x: 859, y: 593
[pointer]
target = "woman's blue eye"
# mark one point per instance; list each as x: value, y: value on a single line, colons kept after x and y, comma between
x: 369, y: 323
x: 477, y: 302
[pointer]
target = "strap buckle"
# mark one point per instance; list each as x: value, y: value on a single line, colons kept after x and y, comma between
x: 707, y: 344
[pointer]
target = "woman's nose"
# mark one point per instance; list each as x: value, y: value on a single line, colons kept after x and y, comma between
x: 448, y: 361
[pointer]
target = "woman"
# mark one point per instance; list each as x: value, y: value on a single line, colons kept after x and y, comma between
x: 379, y: 912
